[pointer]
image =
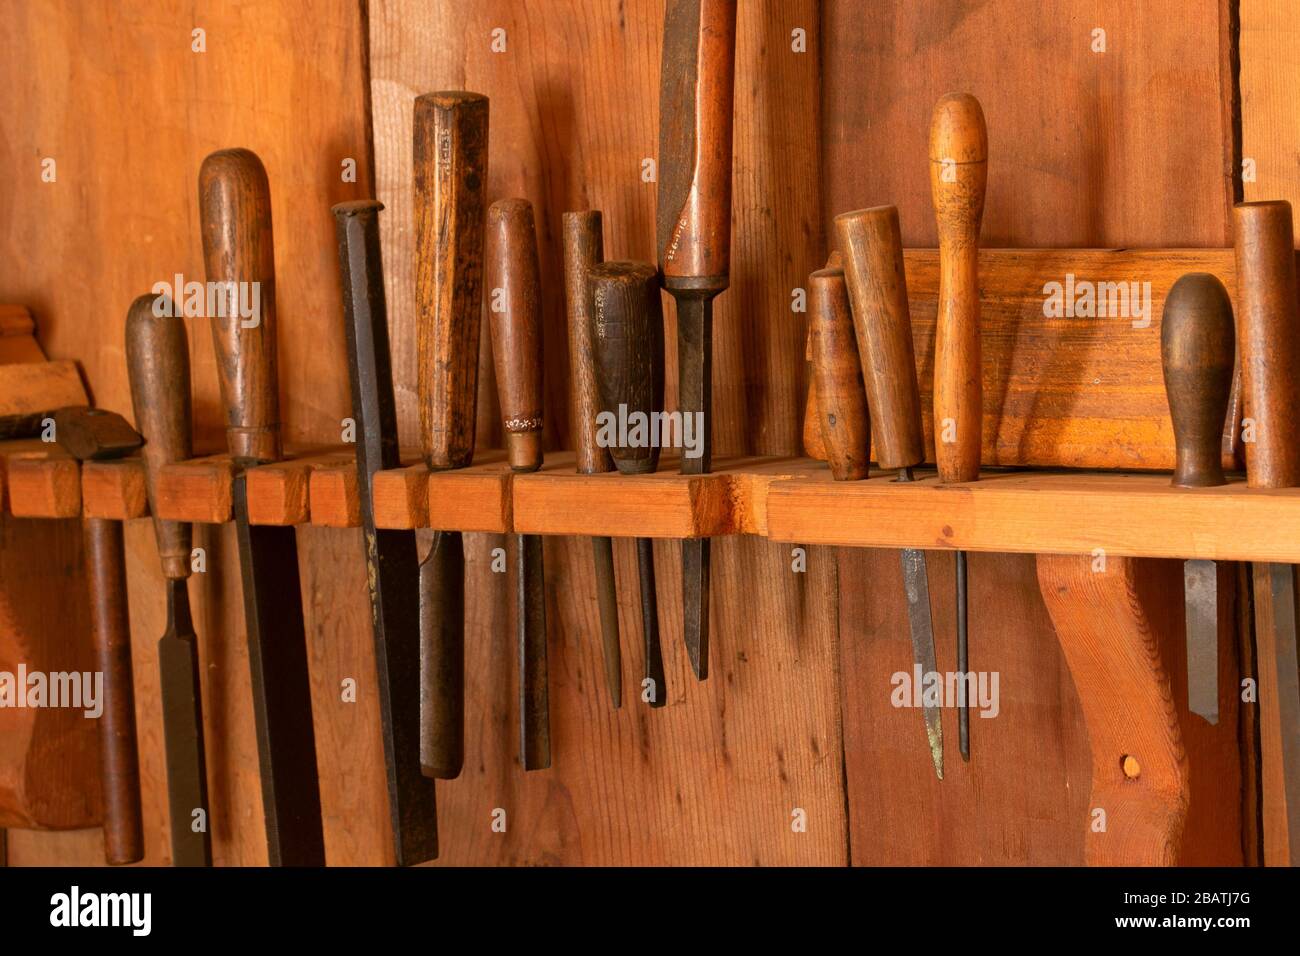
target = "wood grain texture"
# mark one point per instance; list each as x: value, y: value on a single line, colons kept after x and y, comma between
x: 584, y: 247
x: 841, y: 407
x: 115, y: 489
x: 31, y: 391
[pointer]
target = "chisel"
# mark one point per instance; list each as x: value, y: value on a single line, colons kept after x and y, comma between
x: 1196, y: 352
x: 512, y: 275
x: 450, y: 155
x: 583, y: 248
x: 392, y: 573
x: 958, y: 175
x: 872, y: 248
x: 626, y: 310
x: 694, y: 239
x: 1268, y: 343
x: 158, y: 363
x: 841, y: 400
x: 238, y: 251
x: 90, y: 434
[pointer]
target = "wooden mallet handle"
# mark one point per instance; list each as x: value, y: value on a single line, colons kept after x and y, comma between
x: 958, y: 175
x: 837, y: 375
x: 512, y: 277
x: 450, y: 169
x: 583, y: 249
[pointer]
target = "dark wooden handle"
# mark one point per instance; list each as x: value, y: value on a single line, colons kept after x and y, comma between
x: 1268, y: 341
x: 239, y: 253
x: 1196, y: 352
x: 958, y: 174
x: 627, y: 314
x: 94, y: 434
x: 450, y: 169
x: 514, y: 291
x: 583, y: 249
x: 837, y: 373
x: 111, y: 633
x: 872, y: 249
x: 158, y: 364
x: 695, y: 116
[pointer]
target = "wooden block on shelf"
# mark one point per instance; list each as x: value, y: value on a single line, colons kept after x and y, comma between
x: 279, y: 493
x: 401, y: 497
x: 196, y: 490
x: 477, y: 498
x: 335, y: 501
x: 43, y: 485
x: 114, y: 489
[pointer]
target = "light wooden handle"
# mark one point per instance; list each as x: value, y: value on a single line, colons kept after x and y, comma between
x: 583, y: 249
x: 958, y: 175
x: 837, y: 373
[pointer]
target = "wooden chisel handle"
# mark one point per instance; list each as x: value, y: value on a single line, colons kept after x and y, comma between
x: 837, y: 376
x: 627, y: 312
x: 1268, y: 340
x: 958, y: 175
x: 695, y: 115
x: 238, y: 250
x: 1196, y: 352
x: 158, y: 365
x: 583, y: 249
x: 516, y: 329
x: 872, y: 248
x: 450, y: 168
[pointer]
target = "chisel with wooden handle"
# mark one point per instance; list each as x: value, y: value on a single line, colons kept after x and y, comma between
x: 450, y: 167
x: 90, y: 434
x: 392, y: 572
x: 694, y: 238
x: 626, y: 310
x: 872, y: 248
x: 158, y: 363
x: 583, y: 249
x: 1268, y: 343
x: 844, y: 421
x: 1196, y: 352
x: 958, y: 176
x: 238, y: 251
x: 512, y: 275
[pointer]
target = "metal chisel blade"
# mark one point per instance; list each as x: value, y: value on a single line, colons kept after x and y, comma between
x: 1201, y: 595
x: 182, y: 712
x: 1282, y: 584
x: 917, y: 585
x: 695, y: 397
x: 534, y: 703
x: 442, y: 657
x: 602, y: 551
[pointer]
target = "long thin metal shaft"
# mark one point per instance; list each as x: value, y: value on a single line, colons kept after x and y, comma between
x: 916, y: 583
x: 534, y: 703
x: 602, y: 550
x: 1282, y: 584
x: 695, y: 401
x: 963, y: 663
x: 654, y: 659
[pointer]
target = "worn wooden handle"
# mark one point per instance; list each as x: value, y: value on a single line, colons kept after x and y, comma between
x: 450, y: 169
x: 837, y: 374
x: 158, y: 364
x: 516, y: 328
x: 871, y: 245
x: 627, y: 315
x: 583, y: 249
x: 1268, y: 341
x: 696, y: 88
x: 958, y: 174
x: 239, y: 254
x: 1196, y: 352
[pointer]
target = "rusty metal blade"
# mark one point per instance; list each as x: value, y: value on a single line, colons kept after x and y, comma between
x: 695, y: 395
x: 1201, y: 608
x: 602, y: 550
x: 1282, y: 584
x: 654, y: 680
x: 182, y: 712
x: 916, y: 583
x: 442, y: 657
x: 534, y: 704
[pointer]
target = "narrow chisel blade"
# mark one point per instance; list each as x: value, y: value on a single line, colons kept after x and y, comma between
x: 534, y: 703
x: 654, y: 658
x: 1201, y: 595
x: 917, y: 585
x: 1282, y: 581
x: 442, y: 657
x: 602, y: 550
x: 695, y: 399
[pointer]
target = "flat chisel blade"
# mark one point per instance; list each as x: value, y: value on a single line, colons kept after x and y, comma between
x: 602, y: 552
x: 916, y: 583
x: 1282, y: 584
x: 695, y: 397
x: 442, y: 657
x: 1201, y: 596
x: 534, y: 703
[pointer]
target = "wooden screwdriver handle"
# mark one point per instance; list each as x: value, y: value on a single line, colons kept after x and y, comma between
x: 238, y: 251
x: 158, y: 365
x: 958, y: 175
x: 512, y: 275
x: 837, y: 374
x: 871, y: 245
x: 696, y: 88
x: 450, y: 168
x: 1196, y: 353
x: 627, y: 313
x: 583, y: 249
x: 1268, y: 341
x: 814, y: 441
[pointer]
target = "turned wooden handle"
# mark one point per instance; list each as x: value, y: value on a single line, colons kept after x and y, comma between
x: 1196, y: 353
x: 450, y: 168
x: 628, y: 324
x: 814, y: 441
x: 158, y: 364
x: 837, y: 373
x: 872, y: 249
x: 512, y: 278
x: 238, y: 250
x: 958, y: 175
x: 583, y: 249
x: 696, y: 87
x: 1268, y: 341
